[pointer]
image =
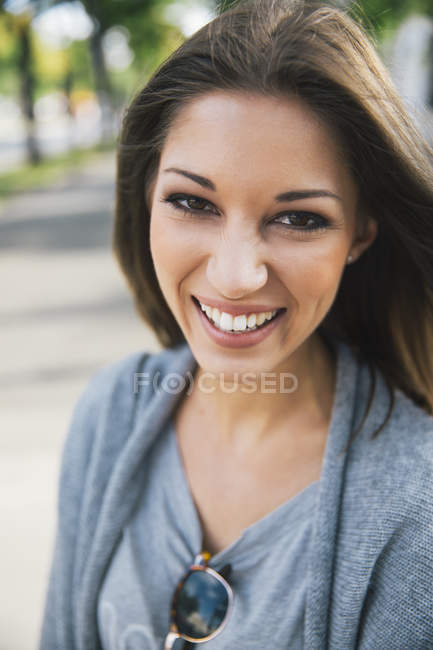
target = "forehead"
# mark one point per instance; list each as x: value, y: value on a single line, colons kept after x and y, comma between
x: 248, y: 120
x: 248, y: 137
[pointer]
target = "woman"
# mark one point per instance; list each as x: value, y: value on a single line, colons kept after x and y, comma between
x: 275, y: 223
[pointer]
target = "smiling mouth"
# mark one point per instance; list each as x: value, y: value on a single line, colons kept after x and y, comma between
x: 244, y: 330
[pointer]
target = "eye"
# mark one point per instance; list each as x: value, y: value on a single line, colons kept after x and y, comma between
x: 301, y: 221
x: 189, y: 204
x: 296, y: 221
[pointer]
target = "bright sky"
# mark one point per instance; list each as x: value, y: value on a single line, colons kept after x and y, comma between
x: 189, y: 15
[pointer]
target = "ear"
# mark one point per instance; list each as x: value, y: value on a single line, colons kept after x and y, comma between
x: 364, y: 236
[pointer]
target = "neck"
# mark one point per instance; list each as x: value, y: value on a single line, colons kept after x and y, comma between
x: 253, y: 408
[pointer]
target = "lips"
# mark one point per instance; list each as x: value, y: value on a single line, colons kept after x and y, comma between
x: 238, y: 339
x: 234, y: 309
x: 237, y: 324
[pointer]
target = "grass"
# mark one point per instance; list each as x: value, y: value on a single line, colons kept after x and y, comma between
x: 47, y: 171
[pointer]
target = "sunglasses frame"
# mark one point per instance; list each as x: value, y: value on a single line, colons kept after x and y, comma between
x: 199, y: 564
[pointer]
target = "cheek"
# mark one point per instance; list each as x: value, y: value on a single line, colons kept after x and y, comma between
x: 174, y: 250
x: 159, y: 244
x: 312, y: 272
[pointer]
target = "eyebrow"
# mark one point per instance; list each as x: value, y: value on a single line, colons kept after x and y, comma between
x: 293, y: 195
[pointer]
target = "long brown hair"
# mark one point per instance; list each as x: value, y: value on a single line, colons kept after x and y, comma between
x: 384, y: 305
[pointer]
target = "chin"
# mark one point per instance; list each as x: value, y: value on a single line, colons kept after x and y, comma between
x: 232, y: 362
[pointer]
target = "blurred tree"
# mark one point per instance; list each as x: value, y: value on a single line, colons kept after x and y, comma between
x: 20, y: 26
x: 41, y: 68
x: 8, y: 57
x: 387, y: 14
x: 379, y: 14
x: 223, y: 5
x: 147, y: 33
x: 152, y: 38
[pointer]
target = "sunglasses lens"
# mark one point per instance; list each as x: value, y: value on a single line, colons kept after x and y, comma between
x: 201, y: 605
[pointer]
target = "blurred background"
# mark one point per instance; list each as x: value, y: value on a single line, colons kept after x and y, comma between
x: 67, y: 70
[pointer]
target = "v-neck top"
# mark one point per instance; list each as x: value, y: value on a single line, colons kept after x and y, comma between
x: 370, y: 567
x: 269, y: 563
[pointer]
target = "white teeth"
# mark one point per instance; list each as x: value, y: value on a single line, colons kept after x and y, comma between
x: 241, y: 323
x: 216, y: 316
x: 226, y: 322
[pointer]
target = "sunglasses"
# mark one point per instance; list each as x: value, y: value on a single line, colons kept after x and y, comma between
x: 201, y: 604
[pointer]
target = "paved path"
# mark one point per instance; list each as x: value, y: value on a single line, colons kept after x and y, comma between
x: 65, y: 311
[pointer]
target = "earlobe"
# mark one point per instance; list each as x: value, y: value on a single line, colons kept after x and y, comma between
x: 371, y: 229
x: 364, y: 239
x: 370, y: 233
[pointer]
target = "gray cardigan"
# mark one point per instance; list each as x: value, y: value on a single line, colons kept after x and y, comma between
x: 371, y: 569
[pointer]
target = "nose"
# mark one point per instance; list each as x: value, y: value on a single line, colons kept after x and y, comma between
x: 236, y: 266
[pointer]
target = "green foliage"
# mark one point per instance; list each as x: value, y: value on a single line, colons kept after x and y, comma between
x: 7, y: 41
x: 151, y: 40
x: 116, y: 12
x: 377, y: 16
x: 50, y: 64
x: 108, y: 13
x: 8, y: 57
x: 79, y: 62
x: 223, y: 5
x: 384, y: 15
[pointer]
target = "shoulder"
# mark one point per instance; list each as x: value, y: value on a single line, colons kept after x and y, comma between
x: 406, y: 438
x: 386, y: 520
x: 402, y: 450
x: 405, y: 444
x: 109, y: 384
x: 389, y: 477
x: 413, y: 431
x: 102, y: 423
x: 111, y: 397
x: 405, y: 449
x: 399, y: 601
x: 110, y: 380
x: 121, y: 380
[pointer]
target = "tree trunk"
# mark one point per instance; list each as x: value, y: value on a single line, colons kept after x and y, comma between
x: 103, y: 87
x: 27, y: 91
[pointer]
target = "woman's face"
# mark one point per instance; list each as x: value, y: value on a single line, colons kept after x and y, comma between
x: 253, y: 210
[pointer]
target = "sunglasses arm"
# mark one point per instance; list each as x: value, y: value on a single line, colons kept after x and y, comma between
x: 170, y: 640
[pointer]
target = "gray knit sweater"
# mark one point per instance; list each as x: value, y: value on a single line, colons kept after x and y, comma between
x: 371, y: 568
